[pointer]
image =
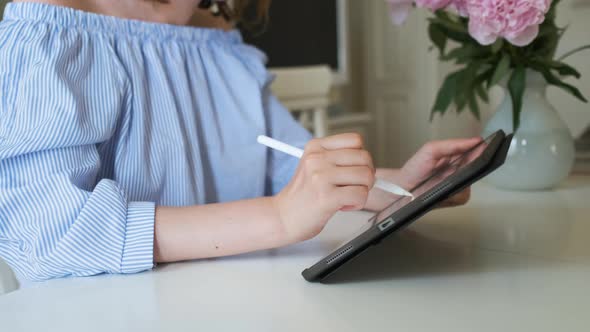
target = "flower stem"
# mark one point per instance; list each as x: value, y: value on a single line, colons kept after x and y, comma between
x: 576, y: 50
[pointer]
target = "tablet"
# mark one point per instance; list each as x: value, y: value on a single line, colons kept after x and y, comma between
x: 450, y: 179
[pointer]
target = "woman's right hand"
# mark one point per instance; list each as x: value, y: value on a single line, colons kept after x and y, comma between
x: 335, y: 173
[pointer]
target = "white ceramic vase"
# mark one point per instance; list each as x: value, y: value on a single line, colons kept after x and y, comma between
x: 542, y: 152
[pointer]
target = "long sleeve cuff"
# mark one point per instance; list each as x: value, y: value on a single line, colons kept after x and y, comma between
x: 138, y: 250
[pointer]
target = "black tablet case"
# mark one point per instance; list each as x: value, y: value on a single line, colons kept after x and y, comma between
x: 491, y: 159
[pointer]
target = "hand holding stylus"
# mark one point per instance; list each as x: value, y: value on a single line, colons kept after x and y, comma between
x: 298, y: 153
x: 335, y: 174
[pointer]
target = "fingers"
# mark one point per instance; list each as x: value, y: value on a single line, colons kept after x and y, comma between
x: 441, y: 149
x: 351, y: 197
x: 336, y: 142
x: 442, y: 162
x: 461, y: 198
x: 350, y: 165
x: 340, y: 170
x: 350, y: 157
x: 350, y: 176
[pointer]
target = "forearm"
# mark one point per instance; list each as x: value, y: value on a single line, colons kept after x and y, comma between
x: 215, y: 230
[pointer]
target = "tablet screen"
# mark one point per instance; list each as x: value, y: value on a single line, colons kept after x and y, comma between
x: 437, y: 177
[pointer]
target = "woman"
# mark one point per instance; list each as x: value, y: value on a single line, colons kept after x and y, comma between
x: 128, y: 137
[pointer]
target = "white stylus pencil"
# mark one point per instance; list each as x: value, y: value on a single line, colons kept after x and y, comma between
x: 298, y: 153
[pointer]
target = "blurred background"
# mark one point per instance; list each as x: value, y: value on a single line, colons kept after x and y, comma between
x: 385, y: 78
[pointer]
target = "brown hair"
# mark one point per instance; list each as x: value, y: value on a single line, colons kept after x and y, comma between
x: 251, y: 11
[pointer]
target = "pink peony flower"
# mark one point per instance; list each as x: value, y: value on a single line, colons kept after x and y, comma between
x: 460, y: 6
x: 399, y: 9
x: 516, y: 20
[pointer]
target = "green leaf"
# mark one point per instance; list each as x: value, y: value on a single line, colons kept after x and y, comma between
x: 555, y: 81
x: 545, y: 45
x: 441, y: 14
x: 454, y: 30
x: 562, y: 68
x: 439, y: 39
x: 456, y: 53
x: 475, y: 58
x: 497, y: 46
x: 546, y: 29
x: 565, y: 70
x: 465, y: 86
x: 501, y: 70
x: 485, y: 77
x: 516, y: 86
x: 465, y: 54
x: 449, y: 24
x: 482, y: 93
x: 445, y: 94
x: 460, y: 37
x: 460, y: 101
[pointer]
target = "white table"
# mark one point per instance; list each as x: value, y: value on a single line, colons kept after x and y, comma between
x: 506, y: 262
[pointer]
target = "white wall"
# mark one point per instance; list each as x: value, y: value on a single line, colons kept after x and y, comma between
x: 397, y: 82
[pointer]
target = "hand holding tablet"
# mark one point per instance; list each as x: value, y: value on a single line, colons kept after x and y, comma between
x: 448, y: 179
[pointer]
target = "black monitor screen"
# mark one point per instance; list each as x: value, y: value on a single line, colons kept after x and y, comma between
x: 299, y: 33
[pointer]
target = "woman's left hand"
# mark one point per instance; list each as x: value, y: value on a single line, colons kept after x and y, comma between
x: 432, y: 156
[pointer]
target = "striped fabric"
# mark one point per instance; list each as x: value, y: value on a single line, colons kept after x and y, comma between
x: 102, y: 119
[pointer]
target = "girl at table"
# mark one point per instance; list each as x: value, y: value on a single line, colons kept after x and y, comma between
x: 128, y: 137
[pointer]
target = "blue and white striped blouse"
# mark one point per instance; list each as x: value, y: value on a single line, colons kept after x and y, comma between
x: 102, y: 119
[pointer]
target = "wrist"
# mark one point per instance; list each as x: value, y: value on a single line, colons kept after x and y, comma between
x: 291, y: 221
x: 283, y: 234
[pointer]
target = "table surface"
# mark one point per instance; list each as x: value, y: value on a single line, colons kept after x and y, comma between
x: 508, y: 261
